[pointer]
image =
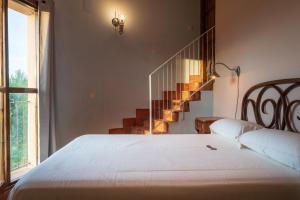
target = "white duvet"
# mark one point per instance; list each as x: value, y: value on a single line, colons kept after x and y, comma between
x: 128, y: 167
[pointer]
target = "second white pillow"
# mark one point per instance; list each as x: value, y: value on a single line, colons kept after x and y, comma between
x: 282, y: 146
x: 232, y: 129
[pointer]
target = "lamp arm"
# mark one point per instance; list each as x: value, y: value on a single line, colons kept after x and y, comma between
x: 237, y: 69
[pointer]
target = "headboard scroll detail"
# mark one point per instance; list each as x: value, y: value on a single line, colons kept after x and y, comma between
x: 283, y: 116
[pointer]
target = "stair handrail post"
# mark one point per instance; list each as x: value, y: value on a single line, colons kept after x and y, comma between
x: 150, y: 104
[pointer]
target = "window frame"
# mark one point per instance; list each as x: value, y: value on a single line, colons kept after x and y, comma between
x: 6, y: 90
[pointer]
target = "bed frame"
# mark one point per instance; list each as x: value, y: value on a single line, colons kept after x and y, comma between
x: 283, y: 110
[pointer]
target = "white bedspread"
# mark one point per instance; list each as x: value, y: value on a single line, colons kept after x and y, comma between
x: 129, y: 167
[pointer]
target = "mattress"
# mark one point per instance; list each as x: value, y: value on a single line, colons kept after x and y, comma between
x: 123, y: 167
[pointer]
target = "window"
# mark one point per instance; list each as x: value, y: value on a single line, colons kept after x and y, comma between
x: 191, y: 67
x: 22, y: 88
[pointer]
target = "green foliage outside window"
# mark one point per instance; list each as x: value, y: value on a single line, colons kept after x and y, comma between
x: 18, y: 121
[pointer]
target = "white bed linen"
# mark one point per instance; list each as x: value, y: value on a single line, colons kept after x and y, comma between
x: 156, y: 167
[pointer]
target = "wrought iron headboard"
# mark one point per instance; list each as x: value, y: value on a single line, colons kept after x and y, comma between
x: 283, y: 115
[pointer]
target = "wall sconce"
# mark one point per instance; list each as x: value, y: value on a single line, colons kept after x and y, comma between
x: 118, y: 23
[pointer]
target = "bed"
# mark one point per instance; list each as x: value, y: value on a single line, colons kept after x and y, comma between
x: 123, y: 167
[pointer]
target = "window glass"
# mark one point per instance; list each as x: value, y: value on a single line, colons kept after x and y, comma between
x: 21, y: 47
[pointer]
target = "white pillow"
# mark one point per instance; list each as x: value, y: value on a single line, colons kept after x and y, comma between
x: 282, y: 146
x: 231, y: 128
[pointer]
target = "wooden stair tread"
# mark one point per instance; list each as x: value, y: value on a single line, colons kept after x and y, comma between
x: 129, y: 122
x: 161, y: 103
x: 119, y: 130
x: 157, y: 125
x: 142, y: 114
x: 183, y: 95
x: 144, y: 130
x: 175, y: 105
x: 138, y: 130
x: 180, y: 106
x: 188, y: 86
x: 170, y: 116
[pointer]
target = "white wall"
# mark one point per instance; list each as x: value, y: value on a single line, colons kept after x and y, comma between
x: 260, y: 36
x: 102, y: 77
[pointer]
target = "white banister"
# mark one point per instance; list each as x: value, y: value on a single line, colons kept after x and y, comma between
x: 162, y: 80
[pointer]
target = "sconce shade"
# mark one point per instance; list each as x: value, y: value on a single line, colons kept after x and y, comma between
x: 115, y: 22
x: 122, y: 18
x: 214, y: 75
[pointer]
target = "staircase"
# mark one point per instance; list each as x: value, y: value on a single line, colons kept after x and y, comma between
x: 172, y: 86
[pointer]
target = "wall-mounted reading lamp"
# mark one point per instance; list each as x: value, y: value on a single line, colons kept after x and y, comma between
x: 237, y: 71
x: 118, y: 23
x: 215, y: 75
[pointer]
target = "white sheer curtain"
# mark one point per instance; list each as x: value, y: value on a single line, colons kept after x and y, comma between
x: 47, y: 137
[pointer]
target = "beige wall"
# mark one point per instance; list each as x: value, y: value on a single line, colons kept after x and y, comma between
x: 262, y: 36
x: 102, y: 77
